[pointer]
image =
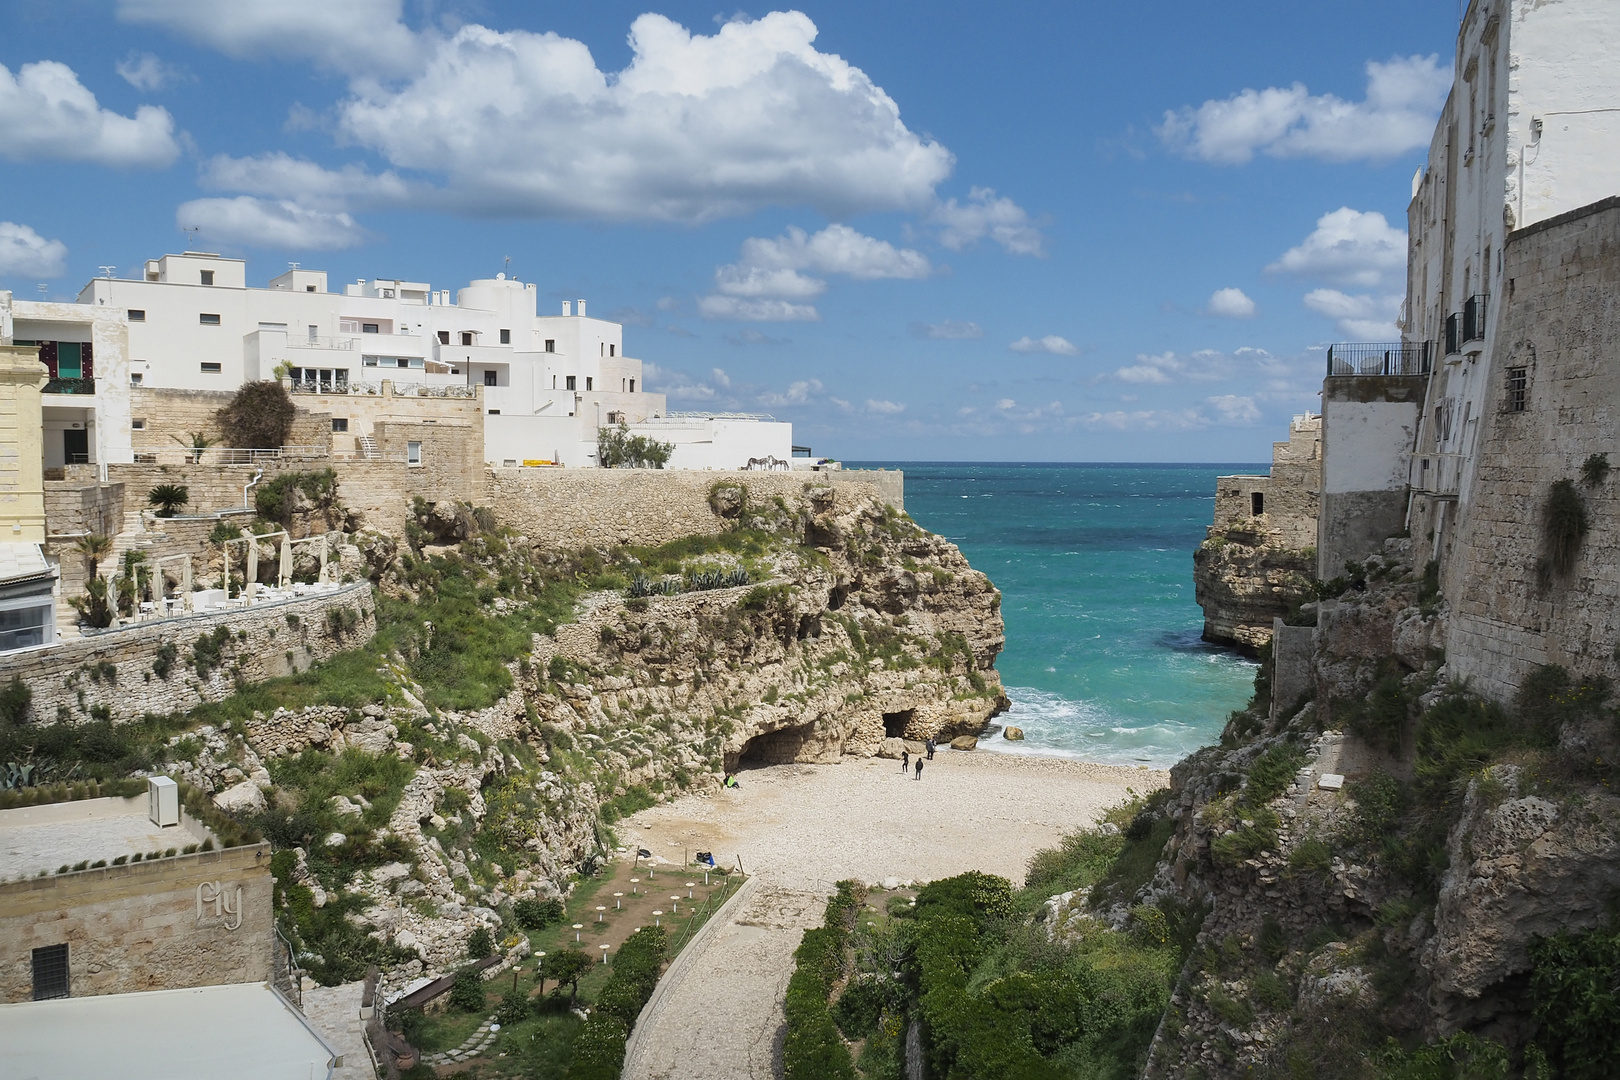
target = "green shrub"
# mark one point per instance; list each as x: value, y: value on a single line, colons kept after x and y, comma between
x: 1575, y: 997
x: 467, y: 991
x: 1564, y: 524
x: 599, y: 1049
x: 259, y: 416
x: 537, y: 914
x: 1273, y: 772
x: 812, y: 1049
x: 859, y: 1007
x: 480, y: 944
x: 275, y: 499
x: 635, y: 974
x: 168, y: 498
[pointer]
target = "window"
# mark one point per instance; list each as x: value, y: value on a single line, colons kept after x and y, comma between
x: 314, y: 332
x: 208, y: 319
x: 489, y: 379
x: 494, y: 412
x: 402, y: 362
x: 444, y: 337
x: 551, y: 345
x: 309, y: 288
x: 212, y: 368
x: 611, y: 348
x: 632, y: 386
x: 135, y: 378
x: 368, y: 328
x: 506, y: 337
x: 50, y: 972
x: 588, y: 381
x: 570, y: 383
x: 1257, y: 503
x: 137, y: 314
x: 1518, y: 388
x: 207, y: 277
x: 466, y: 337
x: 137, y: 425
x: 413, y: 453
x: 368, y: 361
x: 340, y: 423
x: 69, y: 360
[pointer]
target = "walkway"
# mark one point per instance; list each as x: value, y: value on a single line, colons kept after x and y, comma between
x: 335, y: 1013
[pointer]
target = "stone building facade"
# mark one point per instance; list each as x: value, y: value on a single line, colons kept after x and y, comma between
x: 1553, y: 402
x: 199, y: 919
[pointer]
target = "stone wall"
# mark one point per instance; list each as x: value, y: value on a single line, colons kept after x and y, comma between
x: 136, y: 927
x: 380, y: 488
x: 890, y: 484
x: 1369, y: 426
x: 170, y: 418
x: 73, y: 507
x: 391, y: 402
x: 267, y: 640
x: 1561, y: 324
x: 570, y: 508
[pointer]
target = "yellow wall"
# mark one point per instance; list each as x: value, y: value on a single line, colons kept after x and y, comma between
x: 22, y: 483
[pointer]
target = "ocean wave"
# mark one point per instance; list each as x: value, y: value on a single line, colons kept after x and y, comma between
x: 1056, y: 726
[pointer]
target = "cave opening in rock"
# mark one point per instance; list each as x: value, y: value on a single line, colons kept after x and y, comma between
x: 895, y: 723
x: 779, y: 747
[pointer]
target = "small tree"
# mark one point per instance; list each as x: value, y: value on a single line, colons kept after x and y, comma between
x: 566, y: 966
x: 94, y: 547
x: 616, y: 448
x: 168, y: 498
x: 260, y: 416
x: 467, y: 991
x: 480, y: 944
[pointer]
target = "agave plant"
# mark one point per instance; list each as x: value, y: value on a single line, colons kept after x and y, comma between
x: 14, y: 776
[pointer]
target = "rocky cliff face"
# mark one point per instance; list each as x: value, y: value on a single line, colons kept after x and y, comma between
x: 1380, y: 863
x: 854, y: 625
x: 1243, y: 578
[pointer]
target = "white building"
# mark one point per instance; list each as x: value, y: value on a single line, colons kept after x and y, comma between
x: 549, y: 381
x: 1531, y: 130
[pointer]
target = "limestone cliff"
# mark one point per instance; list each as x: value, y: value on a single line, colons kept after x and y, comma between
x: 1244, y: 577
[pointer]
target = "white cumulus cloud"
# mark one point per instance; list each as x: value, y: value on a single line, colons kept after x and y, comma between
x: 1235, y: 410
x: 695, y: 128
x: 25, y: 253
x: 281, y: 176
x: 961, y: 225
x: 146, y: 72
x: 1359, y: 317
x: 745, y: 309
x: 1348, y: 247
x: 349, y: 35
x: 46, y: 114
x: 1051, y: 343
x: 884, y: 408
x: 269, y: 223
x: 1404, y: 95
x: 1230, y: 304
x: 771, y: 269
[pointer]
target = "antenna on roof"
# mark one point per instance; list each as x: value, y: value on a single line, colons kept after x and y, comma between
x: 43, y: 288
x: 107, y: 271
x: 191, y: 232
x: 292, y: 266
x: 508, y: 267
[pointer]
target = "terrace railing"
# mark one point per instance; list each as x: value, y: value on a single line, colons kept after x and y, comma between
x: 70, y: 386
x: 1379, y: 358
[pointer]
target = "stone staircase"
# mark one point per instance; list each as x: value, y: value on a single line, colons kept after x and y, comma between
x: 133, y: 537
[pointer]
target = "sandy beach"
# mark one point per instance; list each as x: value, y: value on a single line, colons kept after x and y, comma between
x: 797, y: 829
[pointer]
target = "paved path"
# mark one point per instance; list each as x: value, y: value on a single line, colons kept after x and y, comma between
x: 800, y: 828
x: 335, y: 1013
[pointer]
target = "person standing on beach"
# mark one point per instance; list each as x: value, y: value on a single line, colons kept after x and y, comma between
x: 919, y: 768
x: 905, y: 759
x: 930, y: 745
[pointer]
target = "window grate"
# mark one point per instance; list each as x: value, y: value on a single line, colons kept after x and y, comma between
x: 50, y: 972
x: 1518, y: 389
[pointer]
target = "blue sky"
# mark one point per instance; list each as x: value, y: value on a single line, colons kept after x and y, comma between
x: 918, y: 230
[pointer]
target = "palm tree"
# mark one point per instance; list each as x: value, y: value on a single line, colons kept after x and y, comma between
x: 94, y: 547
x: 168, y: 498
x: 199, y: 442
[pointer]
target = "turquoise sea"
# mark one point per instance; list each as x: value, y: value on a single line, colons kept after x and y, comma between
x: 1094, y: 563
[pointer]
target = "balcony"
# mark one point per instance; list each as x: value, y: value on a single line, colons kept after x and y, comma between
x: 1473, y: 322
x: 1379, y: 358
x: 1437, y: 474
x: 84, y: 386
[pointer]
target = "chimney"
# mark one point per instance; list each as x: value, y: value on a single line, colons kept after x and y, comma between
x: 582, y: 307
x: 567, y: 310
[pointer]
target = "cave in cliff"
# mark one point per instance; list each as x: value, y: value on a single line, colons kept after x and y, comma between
x: 779, y: 747
x: 895, y: 723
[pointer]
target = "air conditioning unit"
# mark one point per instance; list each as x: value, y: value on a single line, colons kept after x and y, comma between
x: 162, y: 801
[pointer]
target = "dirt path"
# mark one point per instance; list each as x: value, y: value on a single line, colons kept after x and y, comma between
x: 798, y: 829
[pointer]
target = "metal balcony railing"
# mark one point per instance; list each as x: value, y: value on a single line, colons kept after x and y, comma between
x: 70, y: 386
x: 1473, y: 318
x: 1379, y: 358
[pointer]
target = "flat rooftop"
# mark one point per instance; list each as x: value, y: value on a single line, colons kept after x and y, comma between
x: 35, y: 838
x: 245, y: 1031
